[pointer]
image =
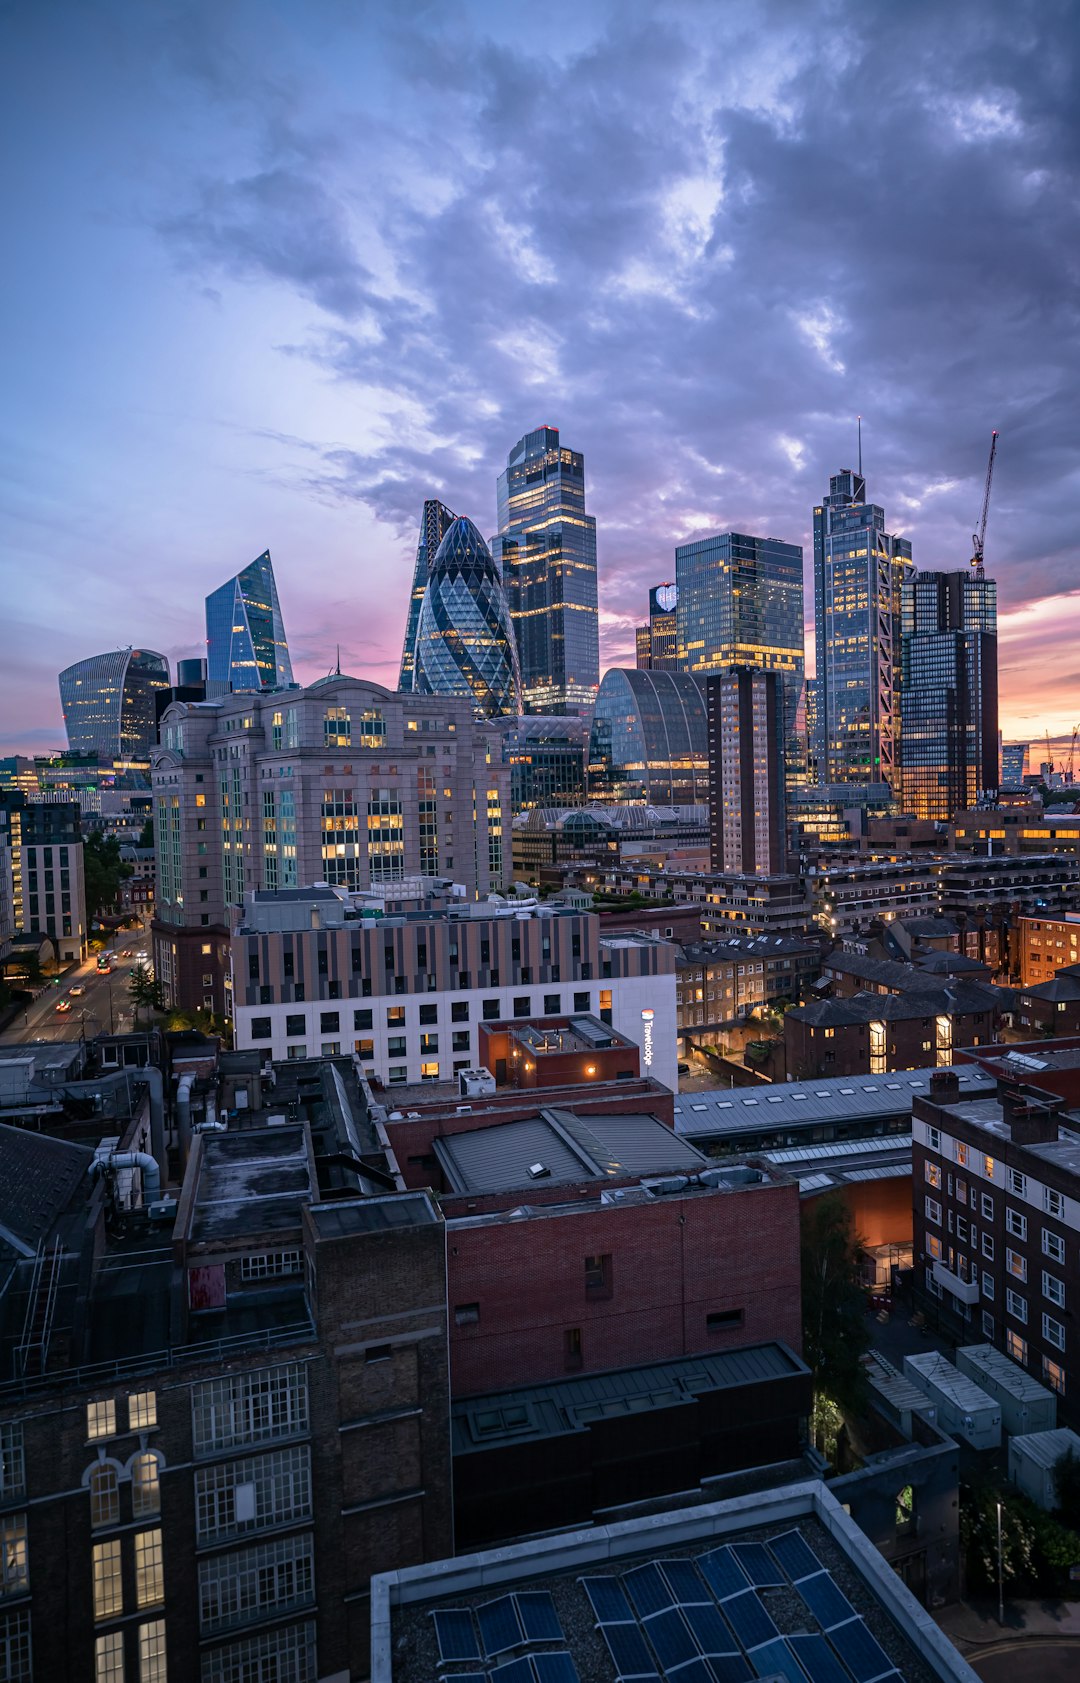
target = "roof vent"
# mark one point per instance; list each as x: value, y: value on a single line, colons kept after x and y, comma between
x: 538, y: 1170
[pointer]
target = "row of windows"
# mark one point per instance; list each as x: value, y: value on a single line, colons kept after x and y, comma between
x: 107, y: 1570
x: 492, y: 1010
x: 1016, y: 1181
x: 109, y: 1655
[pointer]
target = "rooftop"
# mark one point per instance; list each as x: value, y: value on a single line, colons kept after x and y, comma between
x: 556, y: 1147
x: 835, y: 1099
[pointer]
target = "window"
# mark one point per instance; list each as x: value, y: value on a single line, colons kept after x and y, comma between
x: 142, y: 1410
x: 237, y: 1496
x: 429, y: 1043
x: 364, y: 1048
x: 905, y: 1511
x: 988, y: 1286
x: 1016, y: 1347
x: 1054, y: 1289
x: 552, y: 1005
x: 460, y: 1040
x: 288, y: 1652
x: 14, y: 1559
x: 1016, y: 1305
x: 933, y: 1247
x: 249, y: 1407
x: 269, y: 1265
x: 1016, y: 1223
x: 250, y: 1583
x: 261, y: 1028
x: 933, y: 1174
x: 329, y: 1022
x: 1054, y: 1375
x: 522, y: 1005
x: 108, y: 1590
x: 466, y: 1314
x: 101, y: 1419
x: 296, y: 1023
x: 429, y: 1014
x: 145, y: 1485
x: 104, y: 1495
x: 582, y: 1001
x: 149, y: 1569
x: 719, y: 1320
x: 362, y: 1019
x: 152, y: 1661
x: 490, y: 1010
x: 459, y: 1011
x: 395, y: 1016
x: 429, y: 1072
x: 961, y: 1189
x: 933, y: 1211
x: 988, y: 1247
x: 16, y: 1664
x: 1016, y: 1182
x: 1053, y: 1332
x: 572, y: 1355
x: 961, y: 1151
x: 12, y: 1465
x: 598, y: 1276
x: 397, y: 1046
x: 1053, y: 1202
x: 1016, y: 1264
x: 109, y: 1657
x: 987, y: 1207
x: 933, y: 1139
x: 988, y: 1324
x: 1053, y: 1245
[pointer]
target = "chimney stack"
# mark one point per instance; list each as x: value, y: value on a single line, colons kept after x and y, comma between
x: 1032, y: 1117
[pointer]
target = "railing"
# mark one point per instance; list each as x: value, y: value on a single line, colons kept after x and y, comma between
x: 213, y: 1350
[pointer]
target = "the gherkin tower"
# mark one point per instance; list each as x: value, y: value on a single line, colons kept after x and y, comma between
x: 465, y: 640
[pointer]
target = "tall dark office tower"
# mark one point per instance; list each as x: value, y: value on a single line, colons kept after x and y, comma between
x: 464, y: 638
x: 740, y: 603
x: 435, y: 521
x: 949, y: 694
x: 546, y: 551
x: 745, y: 708
x: 108, y: 703
x: 657, y: 642
x: 245, y: 634
x: 859, y: 570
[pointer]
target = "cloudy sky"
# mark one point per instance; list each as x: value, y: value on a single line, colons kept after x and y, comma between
x: 276, y: 270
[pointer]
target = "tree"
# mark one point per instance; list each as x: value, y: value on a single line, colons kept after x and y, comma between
x: 144, y: 990
x: 103, y: 872
x: 146, y: 834
x: 1067, y: 1487
x: 835, y: 1331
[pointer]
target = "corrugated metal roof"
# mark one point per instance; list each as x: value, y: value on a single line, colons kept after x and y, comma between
x: 1045, y: 1449
x: 838, y: 1148
x: 804, y: 1103
x: 880, y: 1171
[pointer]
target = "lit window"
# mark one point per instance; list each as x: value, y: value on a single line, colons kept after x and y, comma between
x: 933, y: 1173
x: 1054, y: 1375
x: 1016, y: 1264
x: 152, y: 1666
x: 104, y: 1495
x: 108, y: 1589
x: 109, y: 1658
x: 101, y: 1419
x: 1016, y: 1347
x: 145, y: 1486
x: 14, y: 1559
x: 149, y: 1569
x: 142, y: 1410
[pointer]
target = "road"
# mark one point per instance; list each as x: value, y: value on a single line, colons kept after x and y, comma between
x: 1042, y: 1662
x: 104, y: 1004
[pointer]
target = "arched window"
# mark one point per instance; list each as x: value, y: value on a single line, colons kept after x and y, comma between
x: 145, y: 1485
x: 104, y: 1494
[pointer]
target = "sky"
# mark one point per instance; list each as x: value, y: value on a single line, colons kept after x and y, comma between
x: 277, y: 270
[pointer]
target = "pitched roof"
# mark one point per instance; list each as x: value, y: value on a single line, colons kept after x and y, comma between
x: 38, y: 1175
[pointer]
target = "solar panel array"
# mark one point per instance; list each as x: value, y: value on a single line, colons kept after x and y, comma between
x: 491, y: 1643
x: 704, y: 1620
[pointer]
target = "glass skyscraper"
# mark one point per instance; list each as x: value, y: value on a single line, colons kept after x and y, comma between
x: 245, y: 634
x: 464, y: 638
x: 740, y: 603
x: 859, y: 571
x: 435, y: 521
x: 658, y: 642
x: 649, y: 739
x: 108, y: 703
x: 949, y: 695
x: 546, y: 552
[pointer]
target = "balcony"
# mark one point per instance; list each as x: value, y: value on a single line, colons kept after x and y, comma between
x: 966, y: 1290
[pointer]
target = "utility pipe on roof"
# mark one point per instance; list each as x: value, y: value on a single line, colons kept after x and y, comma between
x: 151, y: 1174
x: 183, y: 1116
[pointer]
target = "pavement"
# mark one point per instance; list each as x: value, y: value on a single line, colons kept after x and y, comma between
x: 974, y: 1624
x: 104, y: 1005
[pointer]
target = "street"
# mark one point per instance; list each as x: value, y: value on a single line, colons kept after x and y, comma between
x: 103, y: 1006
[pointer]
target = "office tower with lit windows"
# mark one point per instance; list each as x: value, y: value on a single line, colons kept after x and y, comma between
x: 1015, y: 758
x: 859, y: 571
x: 435, y: 521
x: 545, y: 549
x: 648, y: 740
x: 108, y: 703
x: 245, y: 634
x: 657, y: 642
x: 949, y: 692
x: 740, y: 603
x: 464, y: 639
x: 747, y: 827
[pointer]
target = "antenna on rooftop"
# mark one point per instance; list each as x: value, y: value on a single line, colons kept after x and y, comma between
x: 860, y: 445
x: 337, y: 668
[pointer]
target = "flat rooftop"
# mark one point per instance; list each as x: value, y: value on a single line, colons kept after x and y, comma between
x: 557, y: 1147
x: 987, y: 1116
x: 582, y: 1034
x: 836, y: 1099
x: 251, y: 1182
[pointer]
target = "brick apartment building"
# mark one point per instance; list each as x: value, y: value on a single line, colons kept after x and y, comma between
x: 723, y: 982
x: 875, y: 1033
x: 995, y: 1214
x: 1047, y: 945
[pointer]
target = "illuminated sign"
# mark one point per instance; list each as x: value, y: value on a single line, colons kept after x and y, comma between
x: 665, y: 597
x: 646, y: 1039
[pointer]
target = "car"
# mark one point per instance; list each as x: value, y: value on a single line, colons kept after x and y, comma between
x: 76, y: 993
x: 127, y: 953
x: 63, y: 1005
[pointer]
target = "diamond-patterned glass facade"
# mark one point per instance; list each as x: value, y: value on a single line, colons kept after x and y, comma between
x: 464, y: 640
x: 245, y: 634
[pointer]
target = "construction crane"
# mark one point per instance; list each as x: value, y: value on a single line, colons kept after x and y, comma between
x: 979, y: 538
x: 1072, y: 755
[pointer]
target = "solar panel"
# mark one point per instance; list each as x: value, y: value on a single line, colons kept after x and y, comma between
x: 694, y: 1671
x: 630, y: 1656
x: 749, y: 1620
x: 671, y: 1640
x: 775, y: 1659
x: 608, y: 1601
x: 500, y: 1627
x: 863, y: 1655
x: 795, y: 1555
x: 554, y: 1668
x: 829, y: 1605
x: 758, y: 1564
x: 817, y: 1659
x: 455, y: 1634
x: 648, y: 1589
x: 513, y: 1671
x: 710, y: 1630
x: 730, y: 1668
x: 686, y: 1585
x: 723, y: 1573
x: 539, y: 1620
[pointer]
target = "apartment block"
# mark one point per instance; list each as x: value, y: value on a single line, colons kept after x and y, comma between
x: 41, y: 858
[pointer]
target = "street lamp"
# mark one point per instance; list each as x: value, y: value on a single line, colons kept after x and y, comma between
x: 1001, y: 1581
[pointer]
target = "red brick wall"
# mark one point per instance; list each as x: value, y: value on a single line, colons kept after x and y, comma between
x: 673, y: 1261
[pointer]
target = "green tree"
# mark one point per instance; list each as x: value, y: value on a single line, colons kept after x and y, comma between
x: 1067, y: 1488
x: 146, y: 834
x: 103, y: 873
x: 144, y: 990
x: 835, y: 1331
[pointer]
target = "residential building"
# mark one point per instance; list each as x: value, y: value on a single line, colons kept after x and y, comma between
x: 345, y: 783
x: 464, y: 639
x: 720, y: 982
x: 649, y: 739
x: 949, y: 692
x: 859, y: 571
x: 752, y: 905
x: 41, y: 861
x: 746, y: 737
x: 108, y: 703
x: 658, y: 642
x: 1048, y: 945
x: 405, y: 982
x: 995, y: 1196
x: 246, y: 648
x: 137, y: 890
x: 874, y: 1034
x: 546, y: 754
x: 740, y: 603
x: 849, y: 892
x: 1026, y: 830
x: 435, y: 521
x: 1014, y: 764
x: 545, y: 551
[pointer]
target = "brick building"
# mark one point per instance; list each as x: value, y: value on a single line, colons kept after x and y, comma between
x: 722, y: 982
x: 872, y: 1033
x: 1047, y: 945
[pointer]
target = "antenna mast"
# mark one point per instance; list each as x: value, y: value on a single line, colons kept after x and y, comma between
x: 860, y: 446
x: 979, y: 538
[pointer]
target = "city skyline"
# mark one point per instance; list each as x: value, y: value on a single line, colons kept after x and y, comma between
x: 223, y: 369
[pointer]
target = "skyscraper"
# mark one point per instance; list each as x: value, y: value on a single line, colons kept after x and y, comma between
x: 464, y: 638
x: 949, y: 699
x: 245, y: 634
x: 859, y: 570
x: 740, y: 603
x: 648, y: 740
x: 657, y: 642
x: 435, y: 521
x: 747, y: 833
x: 1014, y: 763
x: 546, y: 552
x: 108, y: 703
